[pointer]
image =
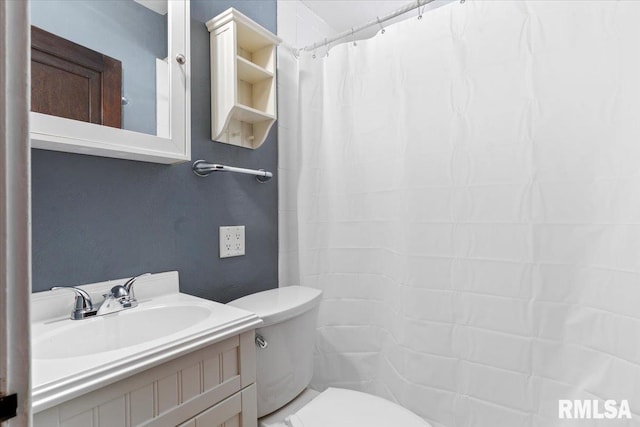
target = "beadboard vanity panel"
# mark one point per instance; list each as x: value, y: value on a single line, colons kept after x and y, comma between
x: 209, y: 387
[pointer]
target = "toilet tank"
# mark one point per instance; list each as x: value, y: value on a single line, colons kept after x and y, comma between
x: 285, y: 366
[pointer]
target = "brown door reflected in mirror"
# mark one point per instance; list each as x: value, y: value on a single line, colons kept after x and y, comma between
x: 71, y: 81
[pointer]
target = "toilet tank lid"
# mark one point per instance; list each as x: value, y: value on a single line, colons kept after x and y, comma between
x: 277, y: 305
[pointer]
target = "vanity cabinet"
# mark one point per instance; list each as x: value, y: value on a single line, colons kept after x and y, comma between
x: 243, y: 79
x: 212, y: 386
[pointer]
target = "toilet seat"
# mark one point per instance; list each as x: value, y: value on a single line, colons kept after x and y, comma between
x: 336, y: 407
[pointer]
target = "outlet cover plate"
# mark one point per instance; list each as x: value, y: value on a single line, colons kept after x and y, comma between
x: 231, y: 241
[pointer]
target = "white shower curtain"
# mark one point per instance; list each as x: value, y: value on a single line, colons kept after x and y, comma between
x: 465, y: 189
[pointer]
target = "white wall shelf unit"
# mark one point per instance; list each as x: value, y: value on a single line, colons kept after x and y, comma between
x: 243, y: 80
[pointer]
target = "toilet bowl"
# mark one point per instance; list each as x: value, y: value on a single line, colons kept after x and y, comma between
x: 338, y: 407
x: 284, y: 367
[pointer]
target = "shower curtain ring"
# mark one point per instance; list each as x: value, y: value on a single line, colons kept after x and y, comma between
x: 382, y: 30
x: 327, y: 46
x: 420, y: 10
x: 353, y: 37
x: 314, y: 51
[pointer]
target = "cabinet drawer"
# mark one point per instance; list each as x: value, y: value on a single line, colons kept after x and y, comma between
x: 238, y: 410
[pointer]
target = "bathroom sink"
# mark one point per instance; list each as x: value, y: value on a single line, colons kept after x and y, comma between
x: 115, y: 331
x: 71, y: 358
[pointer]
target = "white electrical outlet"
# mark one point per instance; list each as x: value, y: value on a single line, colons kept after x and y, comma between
x: 231, y: 241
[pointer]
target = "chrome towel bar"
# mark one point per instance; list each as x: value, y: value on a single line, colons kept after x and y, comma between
x: 202, y: 168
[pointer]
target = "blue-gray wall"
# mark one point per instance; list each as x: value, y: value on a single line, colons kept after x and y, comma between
x: 124, y: 30
x: 97, y: 218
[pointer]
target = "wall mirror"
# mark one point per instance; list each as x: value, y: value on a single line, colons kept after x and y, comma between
x: 111, y: 78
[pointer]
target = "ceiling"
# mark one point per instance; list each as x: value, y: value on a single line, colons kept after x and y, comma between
x: 158, y: 6
x: 343, y: 15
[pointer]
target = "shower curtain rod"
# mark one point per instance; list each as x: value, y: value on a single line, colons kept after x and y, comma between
x: 376, y: 22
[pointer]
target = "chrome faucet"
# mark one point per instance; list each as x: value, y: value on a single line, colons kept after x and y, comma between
x: 120, y: 297
x: 82, y: 307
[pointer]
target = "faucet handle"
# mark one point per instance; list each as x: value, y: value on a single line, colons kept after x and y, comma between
x: 128, y: 285
x: 118, y: 292
x: 83, y: 306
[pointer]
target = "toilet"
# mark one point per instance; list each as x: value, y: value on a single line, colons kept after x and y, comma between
x: 284, y: 367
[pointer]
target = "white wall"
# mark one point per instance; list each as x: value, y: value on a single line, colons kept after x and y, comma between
x: 297, y: 26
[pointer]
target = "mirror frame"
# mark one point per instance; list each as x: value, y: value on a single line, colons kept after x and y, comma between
x: 60, y: 134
